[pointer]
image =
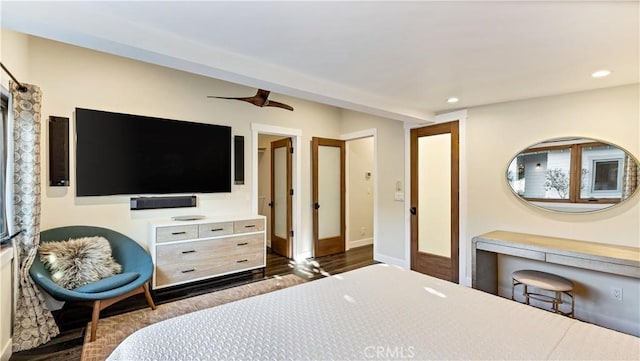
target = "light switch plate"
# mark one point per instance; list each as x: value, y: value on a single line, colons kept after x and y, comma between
x: 398, y: 196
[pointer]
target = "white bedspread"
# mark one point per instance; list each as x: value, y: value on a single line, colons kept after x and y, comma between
x: 376, y: 312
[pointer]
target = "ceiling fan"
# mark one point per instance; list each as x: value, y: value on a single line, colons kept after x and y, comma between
x: 261, y: 99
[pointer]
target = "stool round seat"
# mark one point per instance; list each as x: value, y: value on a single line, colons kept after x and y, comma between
x: 543, y: 280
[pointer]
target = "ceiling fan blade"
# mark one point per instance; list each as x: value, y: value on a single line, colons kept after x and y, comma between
x: 253, y: 100
x: 271, y: 103
x: 260, y: 99
x: 232, y: 98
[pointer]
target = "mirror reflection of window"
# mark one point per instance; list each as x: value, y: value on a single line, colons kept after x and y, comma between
x: 606, y: 175
x: 602, y: 172
x: 574, y: 175
x: 542, y: 173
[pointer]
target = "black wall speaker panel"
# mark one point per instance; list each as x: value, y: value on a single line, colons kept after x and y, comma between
x: 238, y: 148
x: 58, y: 151
x: 138, y: 203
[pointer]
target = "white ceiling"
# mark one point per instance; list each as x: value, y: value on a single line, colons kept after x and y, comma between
x: 400, y: 60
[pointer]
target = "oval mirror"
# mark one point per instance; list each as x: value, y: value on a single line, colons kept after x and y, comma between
x: 574, y: 175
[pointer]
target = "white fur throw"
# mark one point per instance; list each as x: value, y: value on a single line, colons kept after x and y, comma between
x: 76, y: 262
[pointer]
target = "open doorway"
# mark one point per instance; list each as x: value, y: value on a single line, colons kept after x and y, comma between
x: 359, y: 193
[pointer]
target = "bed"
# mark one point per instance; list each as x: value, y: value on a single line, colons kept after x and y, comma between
x: 375, y: 312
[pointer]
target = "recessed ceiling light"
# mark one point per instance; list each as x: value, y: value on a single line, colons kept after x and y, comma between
x: 452, y: 100
x: 600, y: 73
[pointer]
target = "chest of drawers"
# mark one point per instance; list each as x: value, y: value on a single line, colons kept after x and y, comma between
x: 189, y: 251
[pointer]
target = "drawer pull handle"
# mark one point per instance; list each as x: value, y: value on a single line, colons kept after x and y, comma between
x: 177, y: 233
x: 243, y: 244
x: 217, y: 229
x: 242, y: 261
x: 250, y: 226
x: 188, y: 270
x: 191, y: 251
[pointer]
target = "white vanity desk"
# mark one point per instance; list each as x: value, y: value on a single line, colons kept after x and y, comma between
x: 619, y: 260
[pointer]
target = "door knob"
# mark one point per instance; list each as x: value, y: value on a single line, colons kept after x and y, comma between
x: 316, y: 205
x: 413, y: 210
x: 270, y: 204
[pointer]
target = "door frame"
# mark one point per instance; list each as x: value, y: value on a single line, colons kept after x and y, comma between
x: 366, y: 133
x: 464, y: 274
x: 296, y: 140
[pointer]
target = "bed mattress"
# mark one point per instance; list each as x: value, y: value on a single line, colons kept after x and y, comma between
x: 376, y: 312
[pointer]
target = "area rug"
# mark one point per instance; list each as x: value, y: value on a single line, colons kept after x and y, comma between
x: 112, y: 330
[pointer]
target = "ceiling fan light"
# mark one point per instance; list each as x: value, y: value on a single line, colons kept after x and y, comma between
x: 601, y: 73
x: 452, y: 100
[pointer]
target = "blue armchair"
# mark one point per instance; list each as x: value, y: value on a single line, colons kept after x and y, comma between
x: 137, y: 269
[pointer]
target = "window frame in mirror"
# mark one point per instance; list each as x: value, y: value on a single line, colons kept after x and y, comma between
x: 576, y: 146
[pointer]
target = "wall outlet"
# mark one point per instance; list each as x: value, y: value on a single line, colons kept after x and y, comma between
x: 616, y: 293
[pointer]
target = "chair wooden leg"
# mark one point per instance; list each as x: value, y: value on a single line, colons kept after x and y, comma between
x: 94, y: 320
x: 147, y: 295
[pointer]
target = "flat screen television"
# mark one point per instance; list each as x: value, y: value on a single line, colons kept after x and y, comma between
x: 132, y: 154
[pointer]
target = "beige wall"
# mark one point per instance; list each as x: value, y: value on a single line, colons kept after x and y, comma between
x: 495, y: 133
x: 14, y: 49
x: 359, y: 192
x: 78, y: 77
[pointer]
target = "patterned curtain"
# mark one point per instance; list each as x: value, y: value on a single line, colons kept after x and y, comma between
x: 33, y: 324
x: 630, y: 178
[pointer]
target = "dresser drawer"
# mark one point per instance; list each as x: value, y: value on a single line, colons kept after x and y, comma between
x: 231, y: 247
x: 251, y: 225
x: 215, y: 229
x: 176, y: 233
x: 189, y: 261
x: 242, y: 262
x: 169, y: 275
x: 209, y: 251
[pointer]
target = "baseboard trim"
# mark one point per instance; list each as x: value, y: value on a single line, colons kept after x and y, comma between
x: 359, y: 243
x: 6, y: 351
x: 391, y: 260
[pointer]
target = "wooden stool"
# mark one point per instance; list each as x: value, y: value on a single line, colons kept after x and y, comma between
x: 544, y: 281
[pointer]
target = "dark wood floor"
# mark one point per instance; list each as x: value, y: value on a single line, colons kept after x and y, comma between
x: 72, y: 321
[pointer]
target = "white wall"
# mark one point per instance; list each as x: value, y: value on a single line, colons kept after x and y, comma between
x: 359, y: 192
x: 496, y: 133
